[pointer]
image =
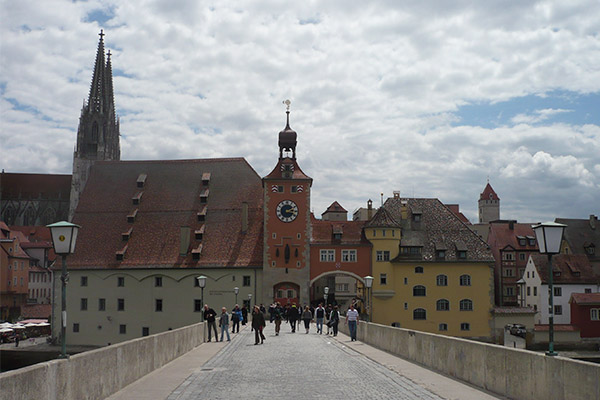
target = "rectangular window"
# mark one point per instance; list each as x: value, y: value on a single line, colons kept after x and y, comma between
x: 290, y: 294
x: 465, y: 326
x: 349, y: 255
x: 557, y: 291
x: 246, y: 280
x: 120, y: 281
x: 279, y: 293
x: 280, y: 188
x: 197, y: 305
x: 595, y: 314
x: 101, y: 304
x: 557, y: 310
x: 145, y: 331
x: 587, y: 290
x: 383, y: 255
x: 383, y: 232
x: 522, y: 256
x: 327, y: 255
x: 509, y: 291
x: 158, y: 281
x: 528, y: 290
x: 158, y: 305
x: 406, y: 306
x: 383, y: 279
x: 120, y: 304
x: 122, y: 329
x: 75, y: 328
x: 462, y: 254
x: 508, y: 256
x: 535, y: 290
x: 83, y: 305
x: 84, y: 281
x: 294, y: 189
x: 509, y: 272
x: 443, y: 327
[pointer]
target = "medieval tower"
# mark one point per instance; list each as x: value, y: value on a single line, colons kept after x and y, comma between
x: 489, y: 205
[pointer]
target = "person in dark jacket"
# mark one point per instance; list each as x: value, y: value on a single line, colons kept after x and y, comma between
x: 258, y: 323
x: 277, y: 317
x: 244, y: 315
x: 334, y: 320
x: 307, y: 317
x: 293, y: 317
x: 209, y: 317
x: 236, y: 316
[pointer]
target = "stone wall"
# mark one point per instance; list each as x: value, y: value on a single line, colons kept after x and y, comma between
x: 99, y: 373
x: 514, y: 373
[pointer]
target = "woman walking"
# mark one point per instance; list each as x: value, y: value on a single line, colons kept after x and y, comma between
x: 258, y: 323
x: 307, y: 317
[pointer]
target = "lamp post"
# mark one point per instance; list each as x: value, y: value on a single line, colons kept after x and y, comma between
x: 369, y: 285
x: 64, y: 236
x: 326, y: 291
x: 249, y: 300
x: 236, y: 290
x: 202, y: 284
x: 549, y: 236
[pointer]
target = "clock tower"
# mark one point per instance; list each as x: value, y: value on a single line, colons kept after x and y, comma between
x: 286, y: 269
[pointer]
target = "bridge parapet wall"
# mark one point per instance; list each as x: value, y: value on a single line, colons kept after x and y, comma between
x: 99, y: 373
x: 514, y: 373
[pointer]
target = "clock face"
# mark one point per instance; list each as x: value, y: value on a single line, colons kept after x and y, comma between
x: 287, y: 211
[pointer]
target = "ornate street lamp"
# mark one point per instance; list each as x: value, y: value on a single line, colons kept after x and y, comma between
x: 64, y: 236
x: 549, y: 237
x: 369, y: 285
x: 236, y: 290
x: 202, y: 284
x: 326, y: 291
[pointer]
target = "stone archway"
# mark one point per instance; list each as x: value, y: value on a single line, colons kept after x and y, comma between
x: 344, y: 288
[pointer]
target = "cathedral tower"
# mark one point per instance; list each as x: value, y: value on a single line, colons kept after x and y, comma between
x: 287, y: 222
x: 98, y: 132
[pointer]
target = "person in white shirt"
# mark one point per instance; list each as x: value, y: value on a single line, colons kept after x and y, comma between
x: 352, y: 322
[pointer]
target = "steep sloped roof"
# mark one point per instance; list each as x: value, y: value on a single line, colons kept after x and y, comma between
x: 383, y: 219
x: 322, y: 232
x: 488, y: 193
x: 568, y: 268
x: 171, y: 199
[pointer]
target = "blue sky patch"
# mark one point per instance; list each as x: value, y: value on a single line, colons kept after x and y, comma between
x: 576, y: 109
x: 101, y: 16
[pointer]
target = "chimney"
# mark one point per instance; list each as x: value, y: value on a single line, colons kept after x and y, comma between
x: 511, y: 225
x: 184, y: 240
x: 593, y: 220
x: 369, y: 209
x: 244, y: 217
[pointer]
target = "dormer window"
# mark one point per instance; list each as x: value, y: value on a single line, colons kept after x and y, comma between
x: 199, y: 233
x: 590, y: 250
x: 137, y: 198
x: 416, y: 217
x: 131, y: 217
x: 205, y: 178
x: 440, y: 254
x: 141, y: 180
x: 531, y: 240
x: 462, y: 254
x: 204, y: 196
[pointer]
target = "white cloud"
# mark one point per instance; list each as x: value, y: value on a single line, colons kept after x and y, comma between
x: 373, y: 91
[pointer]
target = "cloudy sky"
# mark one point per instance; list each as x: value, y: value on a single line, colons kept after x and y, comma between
x: 431, y: 98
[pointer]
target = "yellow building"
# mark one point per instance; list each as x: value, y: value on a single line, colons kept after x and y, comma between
x: 432, y: 273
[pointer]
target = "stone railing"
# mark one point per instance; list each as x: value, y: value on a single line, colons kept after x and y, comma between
x: 514, y: 373
x: 99, y: 373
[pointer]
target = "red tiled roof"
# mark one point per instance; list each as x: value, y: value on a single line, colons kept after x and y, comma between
x: 278, y: 174
x: 36, y: 311
x: 501, y: 235
x: 171, y: 201
x: 335, y: 207
x: 557, y: 328
x: 26, y: 186
x: 566, y: 264
x: 455, y: 208
x: 485, y: 195
x: 585, y: 298
x: 322, y: 231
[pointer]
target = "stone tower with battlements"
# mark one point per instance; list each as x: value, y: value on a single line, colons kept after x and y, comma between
x: 98, y: 132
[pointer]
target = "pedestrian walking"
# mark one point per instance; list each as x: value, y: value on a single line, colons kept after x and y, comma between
x: 277, y: 317
x: 293, y: 317
x: 334, y: 320
x: 352, y: 322
x: 236, y: 316
x: 258, y: 323
x: 244, y: 315
x: 210, y: 318
x: 224, y: 324
x: 319, y: 318
x: 328, y: 311
x: 307, y: 317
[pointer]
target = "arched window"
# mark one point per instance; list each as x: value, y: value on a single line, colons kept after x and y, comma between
x: 29, y: 217
x: 466, y: 305
x: 419, y: 314
x: 419, y: 290
x: 95, y: 132
x: 418, y: 270
x: 442, y: 305
x: 442, y: 280
x: 465, y: 280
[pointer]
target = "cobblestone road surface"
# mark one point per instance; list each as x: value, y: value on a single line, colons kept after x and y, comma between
x: 294, y: 365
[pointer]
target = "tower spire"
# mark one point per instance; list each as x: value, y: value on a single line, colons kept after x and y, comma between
x: 287, y: 137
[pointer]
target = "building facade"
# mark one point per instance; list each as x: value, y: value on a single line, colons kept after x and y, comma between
x: 585, y: 313
x: 432, y: 273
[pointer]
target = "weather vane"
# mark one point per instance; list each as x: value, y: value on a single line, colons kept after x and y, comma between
x: 287, y: 104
